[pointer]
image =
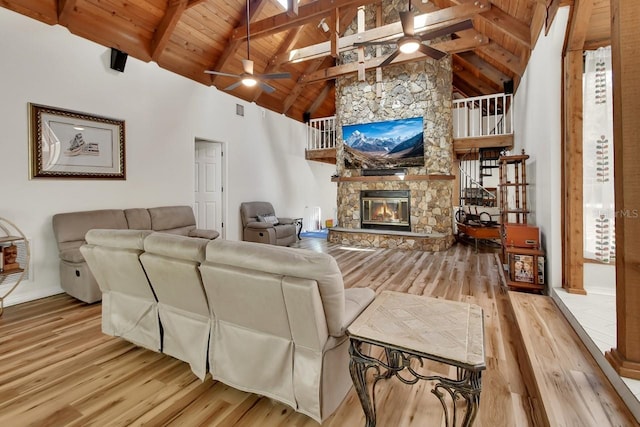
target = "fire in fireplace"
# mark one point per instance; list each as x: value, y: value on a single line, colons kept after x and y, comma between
x: 385, y: 210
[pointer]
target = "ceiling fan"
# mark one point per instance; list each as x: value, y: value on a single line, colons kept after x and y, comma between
x: 248, y: 78
x: 410, y: 42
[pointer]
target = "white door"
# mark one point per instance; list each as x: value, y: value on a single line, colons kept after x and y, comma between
x: 208, y: 186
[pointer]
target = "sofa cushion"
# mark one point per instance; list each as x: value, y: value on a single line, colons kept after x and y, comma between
x: 172, y: 219
x: 72, y: 255
x: 292, y: 262
x: 174, y: 246
x: 270, y: 218
x: 72, y: 226
x: 123, y: 239
x: 138, y: 218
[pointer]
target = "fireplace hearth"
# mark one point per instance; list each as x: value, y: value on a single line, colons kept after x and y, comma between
x: 385, y: 210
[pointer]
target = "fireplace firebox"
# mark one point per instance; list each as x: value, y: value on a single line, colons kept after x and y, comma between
x: 385, y: 210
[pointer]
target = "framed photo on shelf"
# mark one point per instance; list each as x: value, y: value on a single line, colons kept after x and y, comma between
x: 69, y: 144
x: 522, y: 268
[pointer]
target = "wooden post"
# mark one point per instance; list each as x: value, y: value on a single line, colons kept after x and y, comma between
x: 625, y: 39
x: 573, y: 251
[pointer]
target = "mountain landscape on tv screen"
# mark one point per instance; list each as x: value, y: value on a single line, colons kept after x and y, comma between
x: 384, y: 144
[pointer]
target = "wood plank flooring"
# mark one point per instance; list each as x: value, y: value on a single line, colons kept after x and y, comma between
x: 58, y: 369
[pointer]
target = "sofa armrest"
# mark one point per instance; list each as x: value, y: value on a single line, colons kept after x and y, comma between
x: 356, y: 300
x: 285, y: 220
x: 204, y: 234
x: 259, y: 225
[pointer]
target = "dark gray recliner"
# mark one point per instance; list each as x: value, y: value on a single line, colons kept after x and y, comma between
x: 255, y: 229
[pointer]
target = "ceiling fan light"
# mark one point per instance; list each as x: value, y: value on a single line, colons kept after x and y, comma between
x: 408, y: 45
x: 249, y: 81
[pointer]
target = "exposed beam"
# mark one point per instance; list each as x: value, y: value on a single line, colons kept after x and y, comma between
x: 292, y: 8
x: 298, y: 88
x: 479, y: 85
x: 308, y: 12
x: 552, y: 11
x: 65, y: 9
x: 232, y: 46
x: 625, y: 38
x: 573, y: 247
x: 508, y: 25
x: 167, y: 25
x: 468, y: 40
x: 428, y: 21
x: 538, y: 19
x: 494, y: 76
x: 578, y: 24
x: 505, y: 23
x: 352, y: 67
x: 321, y: 97
x: 504, y: 57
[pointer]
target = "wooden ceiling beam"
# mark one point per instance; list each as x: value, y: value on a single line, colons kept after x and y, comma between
x: 167, y: 25
x: 297, y: 89
x: 483, y: 69
x: 578, y: 25
x: 352, y: 67
x: 508, y: 25
x: 504, y: 57
x: 65, y: 9
x: 504, y: 23
x: 427, y: 21
x: 469, y: 91
x: 292, y: 8
x: 538, y: 19
x: 321, y: 97
x: 308, y: 12
x: 468, y: 40
x: 472, y: 81
x: 232, y: 46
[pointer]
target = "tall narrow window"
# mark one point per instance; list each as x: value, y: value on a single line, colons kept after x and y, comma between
x: 599, y: 208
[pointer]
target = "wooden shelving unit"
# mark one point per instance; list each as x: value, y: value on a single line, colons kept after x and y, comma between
x: 9, y: 236
x: 515, y: 188
x: 523, y: 263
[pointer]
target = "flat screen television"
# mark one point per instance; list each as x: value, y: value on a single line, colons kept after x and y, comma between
x: 387, y: 144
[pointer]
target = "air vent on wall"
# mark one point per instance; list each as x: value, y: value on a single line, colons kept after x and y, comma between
x: 240, y: 110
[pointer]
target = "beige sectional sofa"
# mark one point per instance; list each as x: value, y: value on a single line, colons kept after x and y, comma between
x: 265, y: 319
x: 70, y: 228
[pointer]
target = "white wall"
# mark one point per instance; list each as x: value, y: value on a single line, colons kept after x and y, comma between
x: 538, y: 113
x: 164, y: 113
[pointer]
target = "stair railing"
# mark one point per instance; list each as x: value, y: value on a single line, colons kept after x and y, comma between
x: 483, y: 116
x: 321, y: 133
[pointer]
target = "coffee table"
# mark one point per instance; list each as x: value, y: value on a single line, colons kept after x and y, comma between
x: 412, y: 328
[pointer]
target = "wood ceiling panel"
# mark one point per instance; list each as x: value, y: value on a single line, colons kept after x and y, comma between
x: 188, y: 38
x: 137, y: 13
x: 41, y: 10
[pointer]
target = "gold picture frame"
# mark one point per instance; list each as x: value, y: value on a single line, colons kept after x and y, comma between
x: 70, y: 144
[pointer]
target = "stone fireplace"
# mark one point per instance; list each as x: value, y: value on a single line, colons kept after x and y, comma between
x: 418, y: 89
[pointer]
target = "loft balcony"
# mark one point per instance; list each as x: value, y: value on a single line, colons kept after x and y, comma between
x: 478, y: 122
x: 482, y: 122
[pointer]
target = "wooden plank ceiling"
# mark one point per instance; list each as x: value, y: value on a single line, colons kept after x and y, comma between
x: 188, y: 37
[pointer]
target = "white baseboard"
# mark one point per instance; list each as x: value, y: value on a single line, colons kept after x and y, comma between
x: 24, y: 294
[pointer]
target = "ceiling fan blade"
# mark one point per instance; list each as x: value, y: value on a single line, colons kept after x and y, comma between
x: 247, y: 66
x: 233, y: 86
x: 274, y: 76
x: 429, y: 51
x: 265, y: 87
x: 406, y: 18
x: 449, y: 29
x: 218, y: 73
x: 390, y: 58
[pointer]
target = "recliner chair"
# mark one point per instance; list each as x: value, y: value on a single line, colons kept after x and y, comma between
x: 261, y: 225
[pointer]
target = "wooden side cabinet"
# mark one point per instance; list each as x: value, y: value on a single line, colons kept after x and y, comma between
x: 526, y: 268
x: 13, y: 263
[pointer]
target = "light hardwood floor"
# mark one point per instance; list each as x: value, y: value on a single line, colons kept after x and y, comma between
x: 57, y: 368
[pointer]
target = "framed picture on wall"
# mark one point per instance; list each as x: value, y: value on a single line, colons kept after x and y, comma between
x: 69, y: 144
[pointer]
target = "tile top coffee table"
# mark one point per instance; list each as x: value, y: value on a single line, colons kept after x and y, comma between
x: 411, y: 327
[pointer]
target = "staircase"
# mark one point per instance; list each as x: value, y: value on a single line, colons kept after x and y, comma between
x: 474, y: 167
